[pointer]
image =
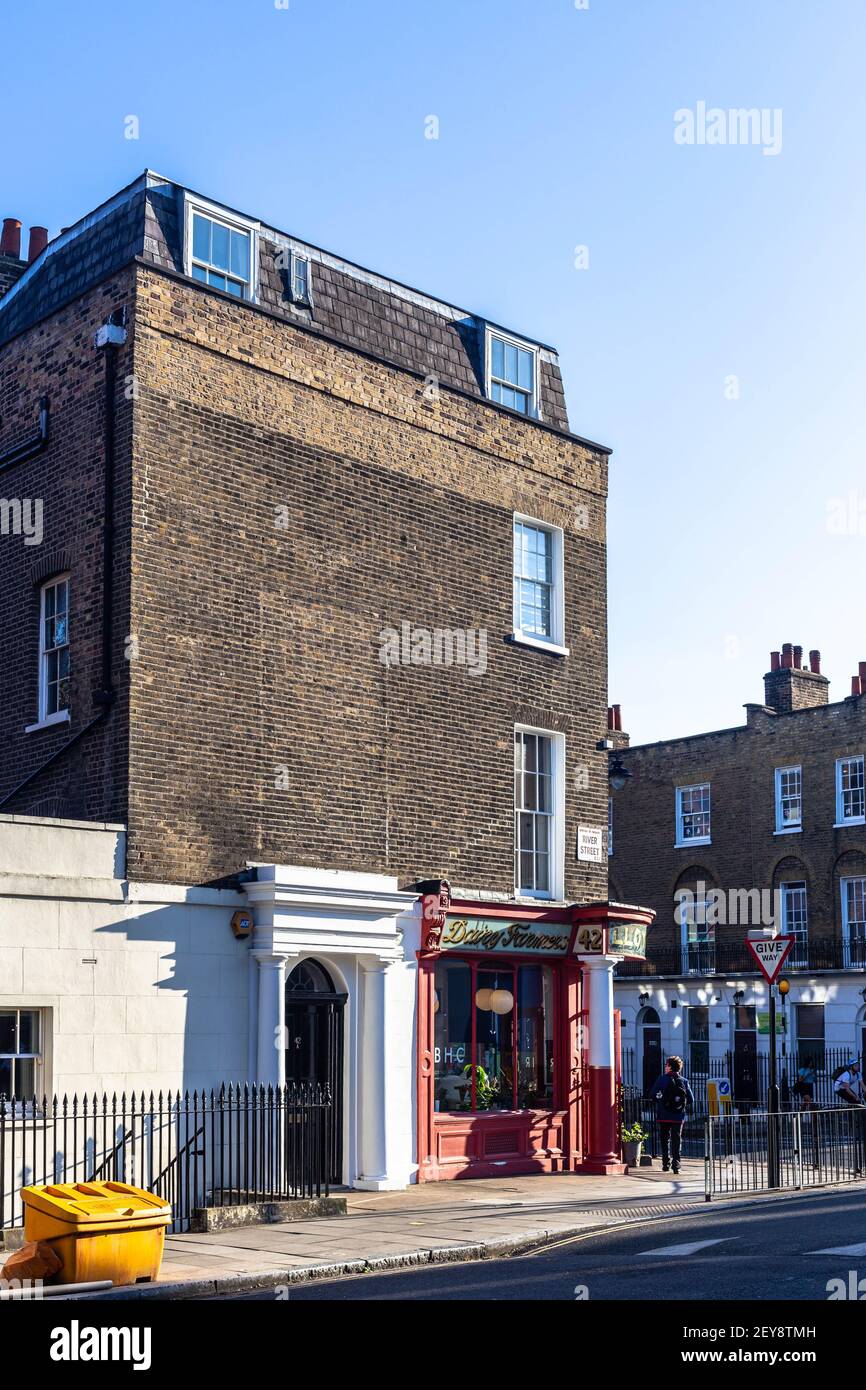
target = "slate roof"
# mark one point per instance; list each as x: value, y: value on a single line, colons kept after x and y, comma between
x: 357, y: 307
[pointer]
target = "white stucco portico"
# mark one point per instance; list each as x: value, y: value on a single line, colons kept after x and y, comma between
x: 365, y: 933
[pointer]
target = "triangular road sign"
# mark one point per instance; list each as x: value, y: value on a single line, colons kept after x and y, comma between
x: 771, y: 953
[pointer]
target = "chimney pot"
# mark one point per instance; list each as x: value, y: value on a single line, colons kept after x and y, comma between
x: 798, y: 658
x: 775, y: 661
x: 38, y: 243
x: 10, y: 242
x: 862, y: 670
x: 787, y: 655
x: 815, y: 662
x: 855, y: 686
x: 617, y: 718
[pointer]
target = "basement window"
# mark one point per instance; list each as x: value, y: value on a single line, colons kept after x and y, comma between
x: 220, y: 251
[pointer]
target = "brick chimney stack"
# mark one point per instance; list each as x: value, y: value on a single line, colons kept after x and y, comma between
x: 614, y: 727
x: 789, y: 685
x: 11, y: 264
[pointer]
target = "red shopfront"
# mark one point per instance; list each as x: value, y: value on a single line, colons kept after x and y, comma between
x: 505, y: 1078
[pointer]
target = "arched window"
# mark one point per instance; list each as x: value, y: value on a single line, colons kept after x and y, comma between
x: 309, y: 977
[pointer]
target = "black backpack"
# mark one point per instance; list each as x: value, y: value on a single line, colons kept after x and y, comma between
x: 674, y: 1096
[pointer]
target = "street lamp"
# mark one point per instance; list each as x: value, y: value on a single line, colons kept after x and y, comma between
x: 618, y: 774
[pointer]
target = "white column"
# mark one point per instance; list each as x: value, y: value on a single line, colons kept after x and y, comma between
x: 372, y: 1110
x: 271, y: 1049
x: 599, y: 973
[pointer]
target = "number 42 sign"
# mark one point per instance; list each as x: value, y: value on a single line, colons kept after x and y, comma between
x: 771, y: 953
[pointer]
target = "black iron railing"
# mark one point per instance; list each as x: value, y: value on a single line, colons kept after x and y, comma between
x: 227, y: 1147
x: 812, y: 1148
x: 722, y: 958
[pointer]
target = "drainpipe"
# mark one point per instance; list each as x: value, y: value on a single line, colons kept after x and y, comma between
x: 109, y: 338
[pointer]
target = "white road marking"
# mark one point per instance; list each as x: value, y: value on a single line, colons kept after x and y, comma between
x: 678, y: 1251
x: 840, y: 1250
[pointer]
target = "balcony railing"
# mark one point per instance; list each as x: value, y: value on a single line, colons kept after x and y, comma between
x: 733, y: 958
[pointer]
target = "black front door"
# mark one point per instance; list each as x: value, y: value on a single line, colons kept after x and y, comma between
x: 314, y: 1044
x: 745, y: 1078
x: 652, y: 1056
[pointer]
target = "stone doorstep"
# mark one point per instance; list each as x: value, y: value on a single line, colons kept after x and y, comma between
x: 212, y: 1220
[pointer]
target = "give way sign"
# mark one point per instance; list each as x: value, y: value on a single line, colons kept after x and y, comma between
x: 771, y: 953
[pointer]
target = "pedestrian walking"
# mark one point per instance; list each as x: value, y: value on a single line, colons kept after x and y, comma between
x: 673, y: 1097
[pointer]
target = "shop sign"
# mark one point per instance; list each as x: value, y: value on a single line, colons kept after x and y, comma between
x: 618, y: 939
x: 628, y: 939
x: 590, y: 843
x: 764, y: 1022
x: 491, y: 934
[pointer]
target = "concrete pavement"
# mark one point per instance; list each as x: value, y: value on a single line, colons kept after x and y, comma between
x: 430, y: 1223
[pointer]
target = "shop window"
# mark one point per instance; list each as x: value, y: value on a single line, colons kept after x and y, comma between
x: 534, y: 1037
x: 810, y: 1036
x: 480, y: 1014
x: 699, y: 1040
x: 20, y: 1054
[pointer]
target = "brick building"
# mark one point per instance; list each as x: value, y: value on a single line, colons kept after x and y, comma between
x: 723, y: 832
x: 318, y: 589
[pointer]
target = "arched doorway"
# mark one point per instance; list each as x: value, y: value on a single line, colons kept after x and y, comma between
x: 314, y: 1043
x: 651, y: 1048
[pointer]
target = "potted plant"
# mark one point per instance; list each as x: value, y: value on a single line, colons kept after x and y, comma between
x: 633, y: 1138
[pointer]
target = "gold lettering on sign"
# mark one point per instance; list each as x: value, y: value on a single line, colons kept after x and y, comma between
x: 515, y: 936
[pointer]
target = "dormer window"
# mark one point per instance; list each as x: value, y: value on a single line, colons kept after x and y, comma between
x: 299, y: 279
x: 512, y: 370
x: 220, y: 251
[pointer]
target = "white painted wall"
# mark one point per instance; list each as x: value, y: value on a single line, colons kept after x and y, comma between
x: 143, y: 985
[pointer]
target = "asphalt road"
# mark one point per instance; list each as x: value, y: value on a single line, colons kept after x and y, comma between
x: 763, y: 1253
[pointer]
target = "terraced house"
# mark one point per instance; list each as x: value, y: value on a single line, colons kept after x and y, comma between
x: 303, y: 693
x: 762, y: 824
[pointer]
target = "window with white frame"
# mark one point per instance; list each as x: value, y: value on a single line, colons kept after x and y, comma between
x: 854, y: 921
x: 220, y: 253
x: 54, y: 650
x: 789, y: 799
x: 538, y: 584
x: 697, y: 935
x: 299, y: 279
x: 538, y: 813
x: 511, y: 373
x: 850, y: 792
x: 20, y: 1054
x: 795, y: 921
x: 693, y: 814
x: 610, y: 825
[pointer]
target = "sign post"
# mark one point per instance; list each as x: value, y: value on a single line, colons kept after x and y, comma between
x: 771, y: 953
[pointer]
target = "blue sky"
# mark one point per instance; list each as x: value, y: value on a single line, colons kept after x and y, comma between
x: 737, y: 510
